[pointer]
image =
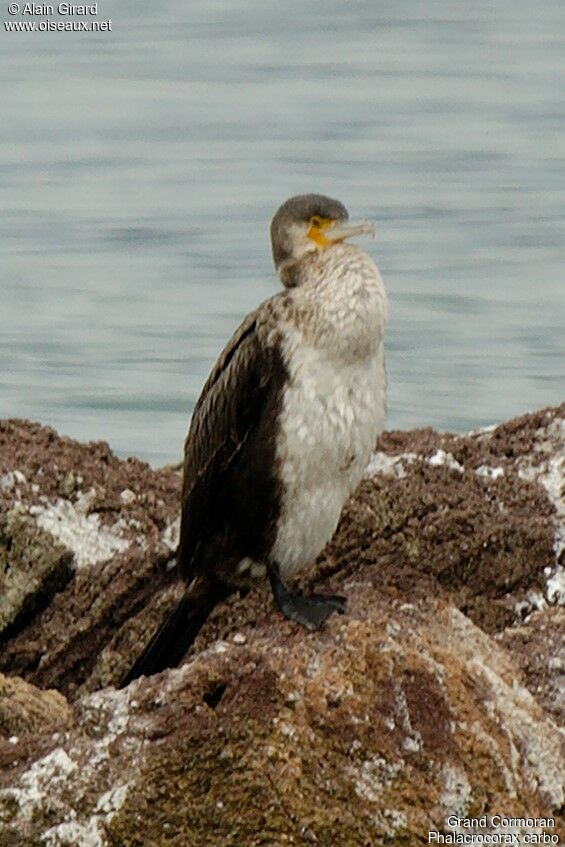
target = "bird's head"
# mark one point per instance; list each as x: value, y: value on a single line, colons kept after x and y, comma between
x: 310, y: 223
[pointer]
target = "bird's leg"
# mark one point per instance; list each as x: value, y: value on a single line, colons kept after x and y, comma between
x: 309, y: 610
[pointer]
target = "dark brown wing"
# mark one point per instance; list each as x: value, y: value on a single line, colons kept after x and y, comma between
x: 228, y: 411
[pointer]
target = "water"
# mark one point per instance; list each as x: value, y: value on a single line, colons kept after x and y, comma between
x: 140, y: 168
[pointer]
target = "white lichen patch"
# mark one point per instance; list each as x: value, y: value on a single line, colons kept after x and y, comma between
x: 489, y: 472
x: 547, y: 466
x: 77, y: 789
x: 371, y: 776
x: 367, y: 784
x: 385, y: 465
x: 83, y: 534
x: 72, y: 833
x: 112, y: 801
x: 10, y: 480
x: 171, y: 535
x: 382, y: 463
x: 529, y: 748
x: 44, y: 779
x: 128, y: 523
x: 457, y: 795
x: 540, y: 762
x: 441, y: 458
x: 112, y: 707
x: 89, y: 833
x: 555, y: 587
x: 535, y: 600
x: 397, y: 819
x: 482, y: 431
x: 412, y: 741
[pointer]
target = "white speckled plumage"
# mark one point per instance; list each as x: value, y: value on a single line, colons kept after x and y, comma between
x: 334, y: 402
x: 283, y: 428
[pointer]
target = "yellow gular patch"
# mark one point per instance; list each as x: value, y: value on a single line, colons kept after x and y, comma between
x: 316, y: 230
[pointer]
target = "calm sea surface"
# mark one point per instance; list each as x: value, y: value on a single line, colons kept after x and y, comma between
x: 139, y: 169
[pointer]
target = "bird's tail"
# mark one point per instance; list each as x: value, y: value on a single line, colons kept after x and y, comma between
x: 175, y: 635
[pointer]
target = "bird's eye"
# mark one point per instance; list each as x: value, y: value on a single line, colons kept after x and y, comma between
x: 315, y: 220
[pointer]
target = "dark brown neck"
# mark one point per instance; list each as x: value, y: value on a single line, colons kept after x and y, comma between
x: 291, y: 271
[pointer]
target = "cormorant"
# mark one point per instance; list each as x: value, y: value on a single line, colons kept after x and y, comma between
x: 283, y: 429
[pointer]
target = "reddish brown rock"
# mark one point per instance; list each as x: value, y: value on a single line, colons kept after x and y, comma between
x: 25, y: 709
x: 378, y: 727
x: 114, y: 521
x: 439, y: 693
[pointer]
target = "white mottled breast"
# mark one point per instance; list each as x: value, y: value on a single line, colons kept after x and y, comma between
x: 333, y: 407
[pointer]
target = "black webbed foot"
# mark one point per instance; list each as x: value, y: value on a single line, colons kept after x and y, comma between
x: 309, y: 610
x: 312, y: 610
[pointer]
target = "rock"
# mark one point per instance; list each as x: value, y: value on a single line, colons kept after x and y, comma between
x: 44, y: 567
x: 377, y: 727
x: 115, y: 552
x: 25, y: 709
x: 440, y: 693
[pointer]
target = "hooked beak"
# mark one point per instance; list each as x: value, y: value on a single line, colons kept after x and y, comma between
x: 342, y: 231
